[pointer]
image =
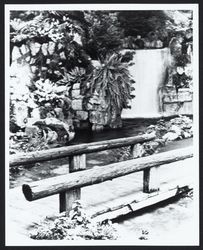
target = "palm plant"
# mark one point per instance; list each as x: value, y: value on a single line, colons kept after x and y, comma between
x: 113, y: 82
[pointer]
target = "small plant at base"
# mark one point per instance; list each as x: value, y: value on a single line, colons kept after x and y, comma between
x: 77, y: 226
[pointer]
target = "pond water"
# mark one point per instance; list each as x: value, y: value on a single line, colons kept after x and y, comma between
x: 131, y: 127
x: 59, y: 166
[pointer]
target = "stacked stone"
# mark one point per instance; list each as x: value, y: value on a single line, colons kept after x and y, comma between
x: 178, y: 103
x: 80, y: 115
x: 86, y: 112
x: 92, y: 111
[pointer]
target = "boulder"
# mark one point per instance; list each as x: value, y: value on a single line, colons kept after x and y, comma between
x: 151, y: 129
x: 62, y: 55
x: 116, y: 122
x: 89, y: 106
x: 177, y: 130
x: 51, y: 47
x: 20, y: 113
x: 51, y: 136
x: 95, y: 99
x: 59, y: 113
x: 97, y: 127
x: 15, y: 53
x: 75, y: 93
x: 170, y: 136
x: 61, y: 128
x: 60, y: 89
x: 186, y: 134
x: 44, y: 49
x: 99, y: 117
x: 34, y: 48
x: 31, y: 131
x: 82, y: 115
x: 77, y: 104
x: 138, y: 150
x: 24, y: 49
x: 76, y: 86
x: 98, y: 104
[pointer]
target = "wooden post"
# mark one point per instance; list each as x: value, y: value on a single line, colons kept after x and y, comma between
x: 151, y: 180
x: 66, y: 199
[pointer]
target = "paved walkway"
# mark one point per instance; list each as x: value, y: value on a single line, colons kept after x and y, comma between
x: 23, y: 215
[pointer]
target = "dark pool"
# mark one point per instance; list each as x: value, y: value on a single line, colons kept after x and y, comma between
x: 130, y: 127
x: 59, y: 166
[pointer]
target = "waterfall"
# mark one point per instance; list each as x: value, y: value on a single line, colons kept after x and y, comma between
x: 149, y: 72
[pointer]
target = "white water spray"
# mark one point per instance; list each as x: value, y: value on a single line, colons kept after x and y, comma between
x: 149, y: 72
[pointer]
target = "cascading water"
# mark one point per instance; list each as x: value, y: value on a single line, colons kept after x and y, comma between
x: 149, y: 72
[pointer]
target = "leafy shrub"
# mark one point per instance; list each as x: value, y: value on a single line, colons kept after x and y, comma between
x: 182, y: 125
x: 77, y: 226
x: 49, y: 92
x: 19, y: 142
x: 103, y: 34
x: 49, y: 95
x: 113, y: 81
x: 55, y: 33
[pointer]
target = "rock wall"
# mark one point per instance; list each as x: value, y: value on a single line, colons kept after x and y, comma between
x: 82, y: 112
x: 91, y: 111
x: 178, y: 103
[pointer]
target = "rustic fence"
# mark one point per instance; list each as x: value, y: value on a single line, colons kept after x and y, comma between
x: 69, y: 186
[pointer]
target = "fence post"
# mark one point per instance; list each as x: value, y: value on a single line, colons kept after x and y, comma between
x: 151, y: 180
x: 66, y: 199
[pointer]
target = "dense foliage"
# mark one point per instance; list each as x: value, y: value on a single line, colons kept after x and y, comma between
x: 75, y: 227
x: 55, y: 33
x: 103, y: 34
x: 143, y: 22
x: 112, y: 80
x: 100, y: 32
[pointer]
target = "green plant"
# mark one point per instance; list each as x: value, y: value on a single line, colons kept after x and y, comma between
x: 49, y: 95
x: 113, y: 82
x: 77, y: 226
x: 52, y: 40
x: 76, y: 75
x: 103, y: 34
x: 181, y: 60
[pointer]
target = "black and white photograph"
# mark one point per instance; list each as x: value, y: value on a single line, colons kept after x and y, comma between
x: 101, y: 124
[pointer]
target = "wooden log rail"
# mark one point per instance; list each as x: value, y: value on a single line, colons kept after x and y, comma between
x: 74, y: 181
x: 56, y: 153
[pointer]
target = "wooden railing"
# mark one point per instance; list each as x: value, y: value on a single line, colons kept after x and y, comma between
x: 77, y: 160
x: 55, y: 185
x: 69, y: 186
x: 76, y: 150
